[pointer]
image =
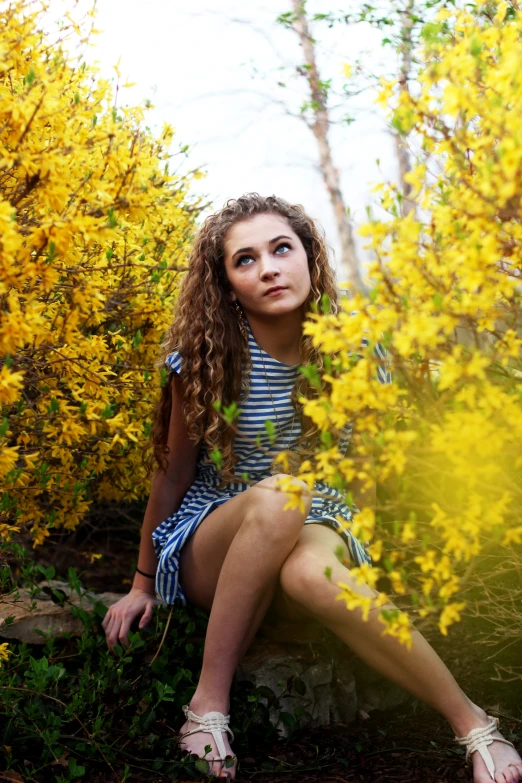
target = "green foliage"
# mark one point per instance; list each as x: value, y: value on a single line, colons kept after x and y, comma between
x: 70, y: 709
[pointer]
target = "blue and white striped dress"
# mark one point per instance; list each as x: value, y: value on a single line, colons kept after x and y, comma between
x: 204, y: 496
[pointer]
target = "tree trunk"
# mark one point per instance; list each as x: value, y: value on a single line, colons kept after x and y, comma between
x: 320, y: 126
x: 403, y: 157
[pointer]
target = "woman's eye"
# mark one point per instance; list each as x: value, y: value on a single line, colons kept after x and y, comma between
x: 284, y: 244
x: 241, y: 259
x: 249, y: 258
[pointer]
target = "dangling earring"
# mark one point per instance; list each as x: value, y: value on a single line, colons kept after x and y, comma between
x: 241, y: 321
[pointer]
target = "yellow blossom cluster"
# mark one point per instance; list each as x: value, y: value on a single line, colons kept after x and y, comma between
x: 443, y: 440
x: 4, y: 653
x: 94, y: 233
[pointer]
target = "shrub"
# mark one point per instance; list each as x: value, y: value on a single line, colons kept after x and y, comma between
x: 94, y: 234
x: 443, y: 441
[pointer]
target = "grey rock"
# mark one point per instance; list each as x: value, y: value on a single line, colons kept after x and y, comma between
x: 337, y: 686
x: 42, y: 614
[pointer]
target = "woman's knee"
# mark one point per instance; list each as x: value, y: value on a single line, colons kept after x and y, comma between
x: 266, y: 508
x: 304, y: 578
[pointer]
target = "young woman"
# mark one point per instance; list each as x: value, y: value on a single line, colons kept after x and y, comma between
x: 220, y: 539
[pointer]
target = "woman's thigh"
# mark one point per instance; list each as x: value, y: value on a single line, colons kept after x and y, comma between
x: 202, y: 556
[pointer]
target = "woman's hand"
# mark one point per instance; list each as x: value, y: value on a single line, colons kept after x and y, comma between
x: 121, y: 615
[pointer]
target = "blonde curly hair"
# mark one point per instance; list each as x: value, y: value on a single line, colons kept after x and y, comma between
x: 207, y: 334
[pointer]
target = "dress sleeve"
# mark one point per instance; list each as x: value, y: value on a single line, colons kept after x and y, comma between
x: 383, y: 372
x: 173, y: 362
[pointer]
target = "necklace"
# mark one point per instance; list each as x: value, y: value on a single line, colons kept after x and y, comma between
x: 274, y: 468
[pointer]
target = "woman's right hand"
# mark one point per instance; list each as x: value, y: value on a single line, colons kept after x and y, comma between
x: 121, y: 615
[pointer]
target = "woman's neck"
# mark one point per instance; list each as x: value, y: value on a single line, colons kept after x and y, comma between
x: 279, y: 336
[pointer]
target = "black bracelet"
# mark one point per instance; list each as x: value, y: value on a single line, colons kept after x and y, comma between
x: 151, y: 576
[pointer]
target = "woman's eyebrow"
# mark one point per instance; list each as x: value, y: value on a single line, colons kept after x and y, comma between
x: 251, y: 249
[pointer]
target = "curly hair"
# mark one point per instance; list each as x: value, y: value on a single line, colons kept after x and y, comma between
x: 206, y: 332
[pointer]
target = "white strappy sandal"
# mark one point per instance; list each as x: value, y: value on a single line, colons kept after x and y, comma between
x: 214, y: 723
x: 479, y: 739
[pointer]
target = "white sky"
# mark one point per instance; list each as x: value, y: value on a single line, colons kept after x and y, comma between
x: 196, y: 66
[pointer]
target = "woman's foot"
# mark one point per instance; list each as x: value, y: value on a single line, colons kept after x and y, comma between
x: 508, y: 764
x: 196, y: 742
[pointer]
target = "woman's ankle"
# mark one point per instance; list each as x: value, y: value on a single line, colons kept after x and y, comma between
x: 470, y: 718
x: 202, y: 703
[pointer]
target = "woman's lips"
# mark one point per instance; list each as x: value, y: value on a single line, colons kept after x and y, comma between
x: 275, y: 292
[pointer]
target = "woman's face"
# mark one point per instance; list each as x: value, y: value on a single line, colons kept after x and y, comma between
x: 262, y: 253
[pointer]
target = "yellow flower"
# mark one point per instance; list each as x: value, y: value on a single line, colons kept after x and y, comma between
x: 399, y: 626
x: 4, y: 652
x: 295, y: 491
x: 449, y: 615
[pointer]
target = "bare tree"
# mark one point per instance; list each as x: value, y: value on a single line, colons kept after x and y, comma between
x: 319, y: 123
x: 407, y: 17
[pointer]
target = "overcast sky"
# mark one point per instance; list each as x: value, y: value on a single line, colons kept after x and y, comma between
x: 214, y: 80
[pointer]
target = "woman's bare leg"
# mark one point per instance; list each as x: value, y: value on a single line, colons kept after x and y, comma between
x: 303, y: 586
x: 231, y: 566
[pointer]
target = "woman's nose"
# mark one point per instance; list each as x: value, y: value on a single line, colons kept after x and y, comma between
x: 268, y: 267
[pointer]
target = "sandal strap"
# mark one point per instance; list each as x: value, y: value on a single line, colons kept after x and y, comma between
x: 479, y: 739
x: 213, y: 723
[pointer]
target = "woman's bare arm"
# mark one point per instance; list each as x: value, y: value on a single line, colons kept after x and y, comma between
x: 167, y: 489
x: 167, y: 492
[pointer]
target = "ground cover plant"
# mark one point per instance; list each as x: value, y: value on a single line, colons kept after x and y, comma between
x: 71, y: 711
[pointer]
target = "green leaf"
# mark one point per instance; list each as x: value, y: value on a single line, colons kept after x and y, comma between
x: 431, y: 32
x: 231, y: 412
x: 476, y: 47
x: 325, y: 304
x: 54, y: 407
x: 270, y: 430
x: 216, y: 457
x: 327, y: 439
x: 49, y: 573
x: 288, y: 719
x: 202, y: 766
x: 311, y: 374
x: 75, y: 770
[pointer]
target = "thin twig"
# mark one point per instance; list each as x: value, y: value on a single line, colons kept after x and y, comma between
x: 164, y: 635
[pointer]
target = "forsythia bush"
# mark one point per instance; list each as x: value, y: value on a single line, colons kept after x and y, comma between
x: 444, y: 439
x: 94, y: 231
